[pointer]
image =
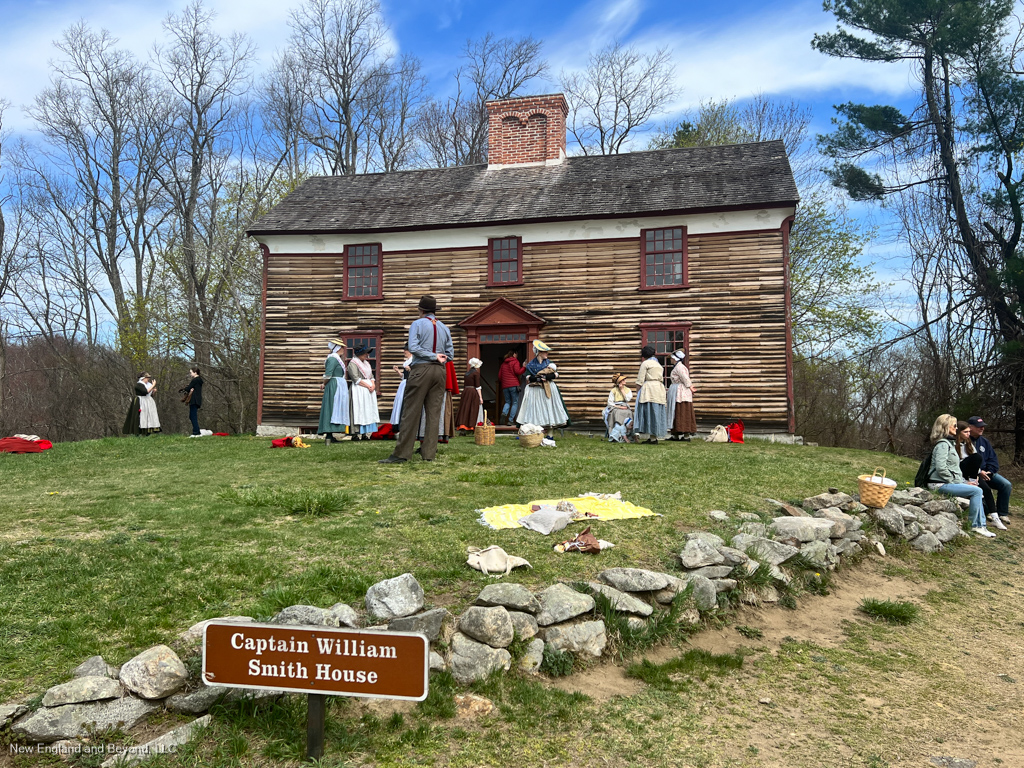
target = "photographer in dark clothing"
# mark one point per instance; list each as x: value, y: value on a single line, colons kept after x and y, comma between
x: 193, y: 396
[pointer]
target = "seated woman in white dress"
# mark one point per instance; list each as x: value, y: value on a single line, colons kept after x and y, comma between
x: 617, y: 414
x: 542, y: 402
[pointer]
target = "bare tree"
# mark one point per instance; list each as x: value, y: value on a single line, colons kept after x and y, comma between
x: 104, y: 126
x: 283, y: 106
x: 209, y: 77
x: 454, y: 131
x: 620, y: 91
x: 392, y: 118
x: 344, y: 50
x: 9, y: 265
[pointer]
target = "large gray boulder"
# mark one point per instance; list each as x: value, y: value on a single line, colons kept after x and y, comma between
x: 514, y: 597
x: 697, y: 553
x: 927, y: 522
x: 621, y: 601
x: 705, y: 595
x: 668, y: 594
x: 890, y: 520
x: 803, y: 528
x: 633, y: 579
x: 523, y: 624
x: 195, y: 633
x: 488, y: 625
x: 586, y: 637
x: 733, y: 556
x: 48, y: 724
x: 200, y: 700
x: 9, y: 712
x: 533, y: 657
x: 743, y: 540
x: 926, y: 542
x: 297, y: 615
x: 771, y: 552
x: 94, y: 666
x: 560, y: 602
x: 155, y: 673
x: 91, y: 688
x: 823, y: 500
x: 428, y: 622
x: 471, y: 661
x: 948, y: 529
x: 712, y: 571
x: 394, y: 598
x: 821, y: 553
x: 346, y: 615
x: 843, y: 521
x: 708, y: 538
x: 758, y: 530
x: 941, y: 505
x: 725, y: 585
x: 911, y: 530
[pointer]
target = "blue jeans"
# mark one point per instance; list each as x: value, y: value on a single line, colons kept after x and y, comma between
x: 1001, y: 486
x: 511, y: 406
x: 193, y: 415
x: 975, y: 513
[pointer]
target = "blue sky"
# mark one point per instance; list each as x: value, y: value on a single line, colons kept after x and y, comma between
x: 720, y: 50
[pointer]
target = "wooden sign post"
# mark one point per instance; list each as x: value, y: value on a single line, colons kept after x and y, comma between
x: 317, y: 661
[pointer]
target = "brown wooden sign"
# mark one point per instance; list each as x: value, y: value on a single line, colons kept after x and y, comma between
x: 341, y: 662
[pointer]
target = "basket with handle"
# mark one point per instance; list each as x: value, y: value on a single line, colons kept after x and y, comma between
x: 530, y: 441
x: 484, y: 433
x: 875, y: 489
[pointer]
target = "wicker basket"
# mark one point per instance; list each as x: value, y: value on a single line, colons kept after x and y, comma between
x: 530, y: 441
x: 873, y: 493
x: 484, y: 433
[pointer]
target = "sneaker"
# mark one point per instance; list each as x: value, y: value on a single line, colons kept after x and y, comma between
x: 1005, y: 520
x: 996, y: 522
x: 982, y: 531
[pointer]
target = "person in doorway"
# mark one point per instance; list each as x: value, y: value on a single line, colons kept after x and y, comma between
x: 471, y: 407
x: 510, y: 380
x: 430, y: 343
x: 945, y: 475
x: 403, y: 371
x: 651, y: 416
x: 617, y: 414
x: 365, y: 415
x: 680, y: 400
x: 989, y: 473
x: 542, y: 402
x: 143, y: 419
x: 334, y: 406
x: 193, y: 397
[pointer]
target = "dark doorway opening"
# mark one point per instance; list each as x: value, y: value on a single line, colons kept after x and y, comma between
x: 491, y: 356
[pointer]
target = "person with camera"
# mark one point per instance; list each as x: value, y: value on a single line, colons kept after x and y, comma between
x: 192, y: 396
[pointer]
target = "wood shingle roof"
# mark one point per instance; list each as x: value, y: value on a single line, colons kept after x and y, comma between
x: 599, y: 186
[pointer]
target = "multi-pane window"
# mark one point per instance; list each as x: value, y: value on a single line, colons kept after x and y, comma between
x: 499, y: 338
x: 364, y: 339
x: 504, y: 261
x: 663, y: 258
x: 667, y: 338
x: 362, y: 271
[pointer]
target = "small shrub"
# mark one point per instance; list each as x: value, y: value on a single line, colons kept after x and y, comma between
x: 892, y: 611
x: 752, y: 633
x: 557, y: 663
x: 697, y: 664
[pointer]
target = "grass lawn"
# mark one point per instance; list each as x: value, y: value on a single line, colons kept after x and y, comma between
x: 111, y: 546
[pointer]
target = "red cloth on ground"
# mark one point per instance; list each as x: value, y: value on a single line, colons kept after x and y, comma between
x: 386, y: 432
x: 735, y: 431
x: 18, y: 445
x: 281, y: 442
x: 221, y: 434
x: 44, y: 444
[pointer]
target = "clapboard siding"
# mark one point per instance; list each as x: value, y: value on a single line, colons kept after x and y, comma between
x: 588, y: 294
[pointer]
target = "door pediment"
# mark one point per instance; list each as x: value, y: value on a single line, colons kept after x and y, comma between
x: 501, y: 311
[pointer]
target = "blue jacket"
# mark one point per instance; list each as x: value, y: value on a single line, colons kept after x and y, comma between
x: 989, y: 461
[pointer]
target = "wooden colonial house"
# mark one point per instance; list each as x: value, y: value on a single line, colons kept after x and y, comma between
x: 596, y: 255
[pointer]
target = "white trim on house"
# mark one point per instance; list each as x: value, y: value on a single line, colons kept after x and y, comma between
x: 559, y: 231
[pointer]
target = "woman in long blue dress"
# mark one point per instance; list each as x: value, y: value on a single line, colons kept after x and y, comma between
x: 542, y: 402
x: 334, y: 406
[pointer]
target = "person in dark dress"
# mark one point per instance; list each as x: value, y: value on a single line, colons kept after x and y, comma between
x: 131, y: 422
x: 471, y: 405
x: 193, y: 395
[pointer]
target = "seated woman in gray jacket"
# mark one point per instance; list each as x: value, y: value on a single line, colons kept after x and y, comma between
x: 945, y: 475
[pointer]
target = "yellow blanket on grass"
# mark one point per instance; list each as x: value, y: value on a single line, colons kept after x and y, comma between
x: 507, y: 516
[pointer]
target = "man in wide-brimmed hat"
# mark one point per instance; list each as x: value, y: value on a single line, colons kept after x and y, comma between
x: 430, y: 343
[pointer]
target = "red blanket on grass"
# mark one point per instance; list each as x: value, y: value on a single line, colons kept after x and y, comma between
x: 18, y: 445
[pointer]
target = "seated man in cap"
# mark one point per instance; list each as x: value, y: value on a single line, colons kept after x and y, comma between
x: 989, y: 472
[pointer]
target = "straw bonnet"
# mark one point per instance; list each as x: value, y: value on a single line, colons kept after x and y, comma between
x: 540, y: 346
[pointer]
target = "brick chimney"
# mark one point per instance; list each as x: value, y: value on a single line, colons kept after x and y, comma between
x: 526, y: 131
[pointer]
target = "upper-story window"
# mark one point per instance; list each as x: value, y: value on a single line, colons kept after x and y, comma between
x: 663, y: 262
x: 504, y: 261
x: 362, y: 271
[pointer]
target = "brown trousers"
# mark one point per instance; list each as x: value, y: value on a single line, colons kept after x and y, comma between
x: 425, y: 386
